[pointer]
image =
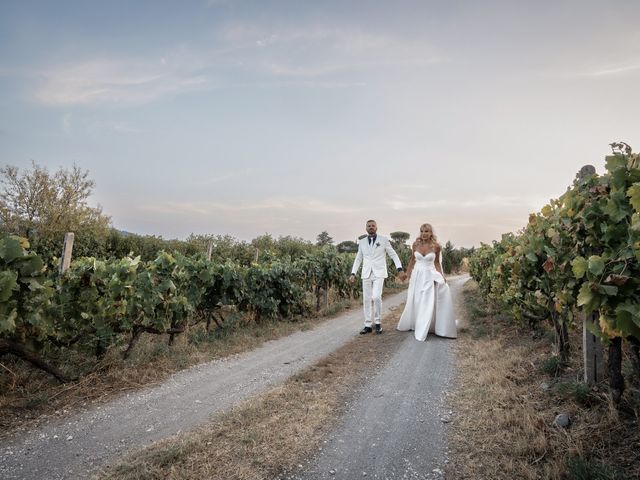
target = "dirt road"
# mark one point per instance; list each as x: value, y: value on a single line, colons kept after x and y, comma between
x: 73, y: 447
x: 395, y: 427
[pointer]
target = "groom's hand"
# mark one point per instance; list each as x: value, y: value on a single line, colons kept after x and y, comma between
x: 352, y: 278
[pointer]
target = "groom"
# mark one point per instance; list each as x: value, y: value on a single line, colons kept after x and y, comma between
x: 372, y: 252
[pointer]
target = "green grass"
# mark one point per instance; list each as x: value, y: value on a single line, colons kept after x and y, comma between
x: 579, y: 391
x: 478, y: 331
x: 478, y: 312
x: 582, y: 469
x: 551, y: 366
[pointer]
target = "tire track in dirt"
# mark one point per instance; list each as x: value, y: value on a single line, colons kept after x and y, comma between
x: 395, y: 428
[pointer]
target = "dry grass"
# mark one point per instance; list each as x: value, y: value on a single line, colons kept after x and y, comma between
x: 503, y: 428
x: 28, y: 396
x: 271, y: 434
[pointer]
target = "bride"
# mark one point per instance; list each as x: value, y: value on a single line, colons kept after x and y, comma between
x: 429, y: 308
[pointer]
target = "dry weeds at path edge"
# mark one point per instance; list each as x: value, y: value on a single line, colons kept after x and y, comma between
x: 503, y: 426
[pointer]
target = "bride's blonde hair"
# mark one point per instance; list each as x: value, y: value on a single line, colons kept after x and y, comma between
x: 433, y: 240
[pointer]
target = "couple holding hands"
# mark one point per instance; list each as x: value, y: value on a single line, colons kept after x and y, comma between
x: 429, y: 308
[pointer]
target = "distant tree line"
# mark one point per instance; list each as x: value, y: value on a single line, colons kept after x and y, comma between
x: 42, y: 206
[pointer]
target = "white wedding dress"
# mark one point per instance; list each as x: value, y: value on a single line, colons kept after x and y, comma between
x: 429, y: 308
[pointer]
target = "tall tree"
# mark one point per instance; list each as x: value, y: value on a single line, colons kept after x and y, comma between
x: 43, y: 206
x: 324, y: 239
x: 451, y: 258
x: 399, y: 238
x: 348, y: 246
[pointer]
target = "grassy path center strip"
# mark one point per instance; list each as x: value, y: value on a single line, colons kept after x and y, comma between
x: 271, y: 433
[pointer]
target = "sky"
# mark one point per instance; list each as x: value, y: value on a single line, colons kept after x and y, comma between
x: 295, y: 117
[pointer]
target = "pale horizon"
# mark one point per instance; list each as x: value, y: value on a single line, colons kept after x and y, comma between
x: 230, y: 117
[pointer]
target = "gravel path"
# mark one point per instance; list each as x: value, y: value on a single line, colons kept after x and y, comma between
x: 395, y: 427
x: 75, y: 446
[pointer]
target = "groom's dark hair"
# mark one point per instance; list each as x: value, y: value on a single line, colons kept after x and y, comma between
x: 372, y: 221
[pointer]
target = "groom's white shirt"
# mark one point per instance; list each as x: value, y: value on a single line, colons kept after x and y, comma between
x: 373, y: 257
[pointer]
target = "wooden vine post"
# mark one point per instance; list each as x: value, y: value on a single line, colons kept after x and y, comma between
x: 209, y: 249
x: 67, y: 250
x: 592, y: 351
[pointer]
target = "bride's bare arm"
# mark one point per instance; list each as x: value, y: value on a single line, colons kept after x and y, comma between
x: 437, y: 262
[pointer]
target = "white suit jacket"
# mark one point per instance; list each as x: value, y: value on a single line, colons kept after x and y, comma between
x: 373, y: 257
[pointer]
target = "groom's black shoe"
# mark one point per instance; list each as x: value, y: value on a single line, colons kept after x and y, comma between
x: 366, y: 330
x: 378, y: 328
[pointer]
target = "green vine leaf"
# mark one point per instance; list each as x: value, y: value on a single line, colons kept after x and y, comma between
x: 585, y: 297
x: 634, y: 196
x: 579, y: 267
x: 596, y: 265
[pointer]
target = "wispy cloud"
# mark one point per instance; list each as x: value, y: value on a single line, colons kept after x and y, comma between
x: 319, y: 51
x: 614, y: 70
x: 403, y: 203
x: 603, y: 71
x: 289, y: 205
x: 316, y: 56
x: 114, y: 82
x: 499, y: 201
x: 490, y: 215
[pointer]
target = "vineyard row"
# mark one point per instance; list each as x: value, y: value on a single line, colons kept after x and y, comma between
x: 579, y: 254
x: 98, y: 304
